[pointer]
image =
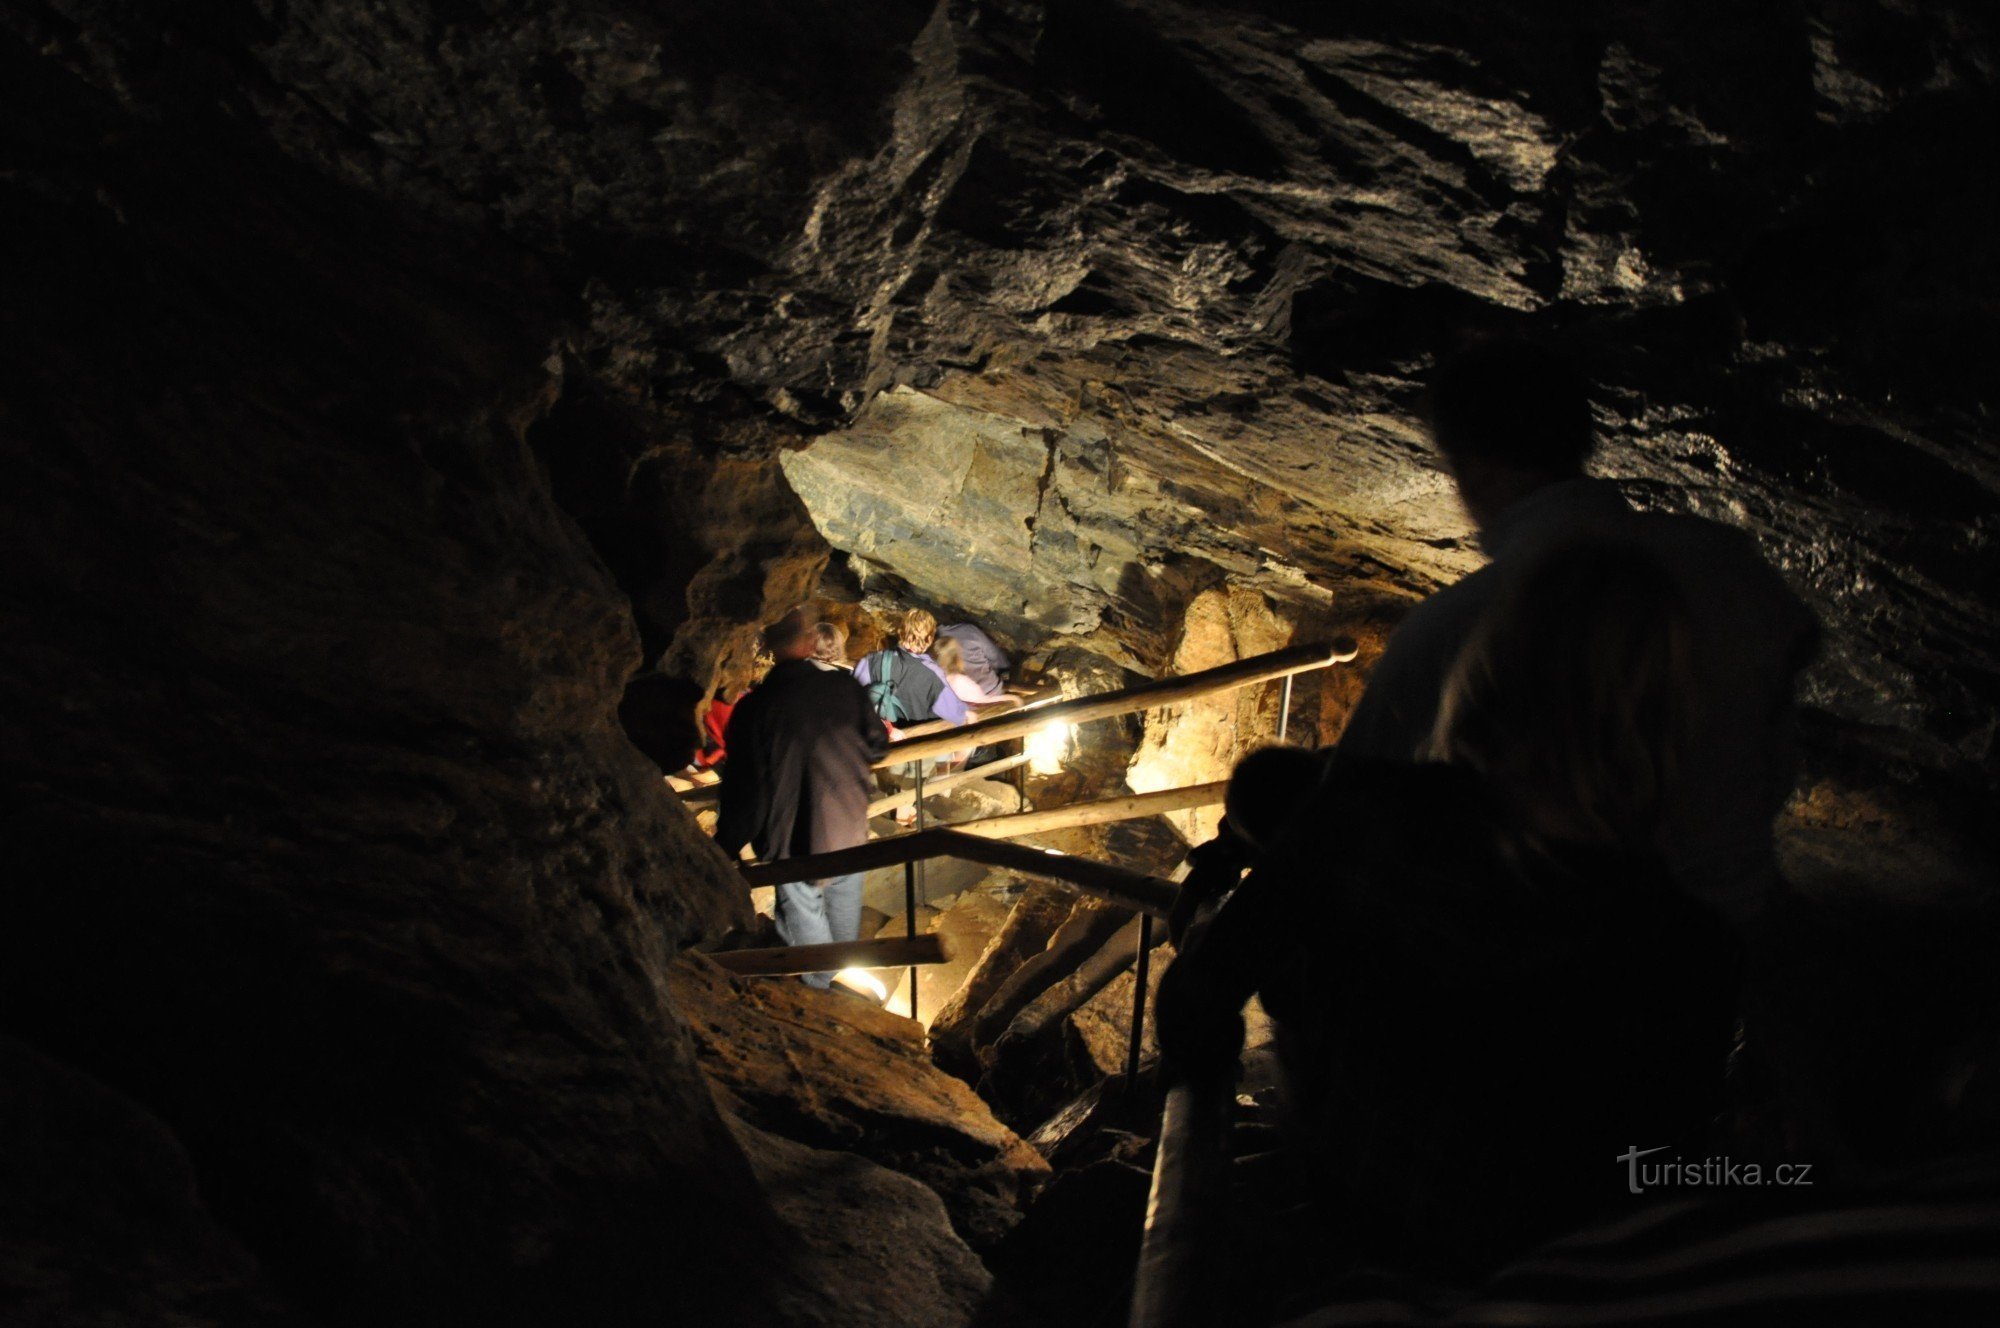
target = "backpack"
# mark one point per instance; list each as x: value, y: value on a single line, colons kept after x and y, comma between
x: 882, y: 687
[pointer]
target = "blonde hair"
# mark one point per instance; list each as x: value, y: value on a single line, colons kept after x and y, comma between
x: 1571, y: 697
x: 948, y: 656
x: 919, y: 629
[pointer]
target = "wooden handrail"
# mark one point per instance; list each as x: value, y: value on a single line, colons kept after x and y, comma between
x: 1174, y: 1285
x: 1127, y: 807
x: 709, y: 795
x: 1121, y: 885
x: 701, y: 795
x: 938, y: 783
x: 785, y: 960
x: 1145, y: 696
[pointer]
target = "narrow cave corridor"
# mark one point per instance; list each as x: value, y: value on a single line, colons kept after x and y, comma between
x: 423, y: 419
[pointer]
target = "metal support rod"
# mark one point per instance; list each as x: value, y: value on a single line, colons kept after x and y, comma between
x: 1021, y: 779
x: 914, y: 883
x: 1285, y: 709
x: 910, y: 927
x: 1140, y: 967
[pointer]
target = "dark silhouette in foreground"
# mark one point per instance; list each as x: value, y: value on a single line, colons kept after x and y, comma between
x: 1513, y: 425
x: 1485, y: 985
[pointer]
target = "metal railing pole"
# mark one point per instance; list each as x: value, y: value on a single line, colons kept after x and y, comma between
x: 1285, y: 709
x: 913, y: 880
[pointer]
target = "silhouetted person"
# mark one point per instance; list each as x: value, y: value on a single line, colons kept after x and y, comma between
x: 1514, y: 427
x: 1484, y: 984
x: 798, y: 782
x: 1266, y: 790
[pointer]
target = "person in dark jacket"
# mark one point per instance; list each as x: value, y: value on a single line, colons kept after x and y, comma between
x: 798, y: 782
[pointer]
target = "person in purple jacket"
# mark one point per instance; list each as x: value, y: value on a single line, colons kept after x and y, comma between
x: 985, y: 661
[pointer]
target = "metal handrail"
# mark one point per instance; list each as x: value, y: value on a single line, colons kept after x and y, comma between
x: 1120, y: 885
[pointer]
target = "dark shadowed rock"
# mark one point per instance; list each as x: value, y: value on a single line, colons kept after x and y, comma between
x: 101, y: 1218
x: 878, y: 1244
x: 837, y: 1072
x: 326, y: 849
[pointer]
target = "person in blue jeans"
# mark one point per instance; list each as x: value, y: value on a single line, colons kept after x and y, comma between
x: 798, y: 782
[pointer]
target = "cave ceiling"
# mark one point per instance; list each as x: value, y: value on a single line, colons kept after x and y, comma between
x: 1013, y: 291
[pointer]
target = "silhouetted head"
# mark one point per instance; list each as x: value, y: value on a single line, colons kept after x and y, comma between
x: 1572, y: 696
x: 1509, y: 417
x: 791, y: 637
x: 829, y: 643
x: 1265, y: 789
x: 918, y: 630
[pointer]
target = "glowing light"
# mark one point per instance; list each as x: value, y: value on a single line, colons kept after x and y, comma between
x: 1048, y: 746
x: 862, y: 981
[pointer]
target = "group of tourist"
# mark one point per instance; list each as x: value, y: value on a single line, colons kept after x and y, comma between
x: 1498, y: 927
x: 802, y: 745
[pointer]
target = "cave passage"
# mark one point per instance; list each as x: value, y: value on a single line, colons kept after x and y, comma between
x: 418, y: 416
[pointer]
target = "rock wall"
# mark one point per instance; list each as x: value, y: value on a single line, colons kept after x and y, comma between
x: 1031, y: 280
x: 339, y: 910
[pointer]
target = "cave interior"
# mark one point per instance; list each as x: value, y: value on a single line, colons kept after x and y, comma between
x: 385, y: 387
